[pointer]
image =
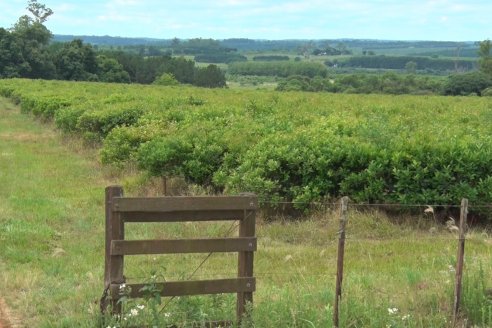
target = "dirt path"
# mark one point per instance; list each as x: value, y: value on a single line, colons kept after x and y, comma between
x: 4, y: 315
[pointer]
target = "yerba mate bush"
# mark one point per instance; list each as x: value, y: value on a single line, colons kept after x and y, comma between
x: 292, y: 146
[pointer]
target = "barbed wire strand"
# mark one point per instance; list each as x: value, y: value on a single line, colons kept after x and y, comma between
x: 271, y: 202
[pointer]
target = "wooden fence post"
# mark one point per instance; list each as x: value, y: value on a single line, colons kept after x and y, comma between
x: 341, y: 252
x: 115, y: 230
x: 460, y: 259
x: 110, y: 192
x: 245, y: 261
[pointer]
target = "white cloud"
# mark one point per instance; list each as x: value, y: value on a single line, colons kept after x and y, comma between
x: 416, y: 19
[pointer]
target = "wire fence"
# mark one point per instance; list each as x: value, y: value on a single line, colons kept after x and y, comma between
x: 302, y: 252
x: 306, y: 260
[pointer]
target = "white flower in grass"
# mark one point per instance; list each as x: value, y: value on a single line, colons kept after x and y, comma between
x: 141, y: 307
x: 134, y: 312
x: 167, y: 314
x: 405, y: 317
x: 122, y: 286
x: 429, y: 209
x: 392, y: 310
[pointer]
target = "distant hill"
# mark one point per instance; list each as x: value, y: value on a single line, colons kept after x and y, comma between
x: 111, y: 40
x: 394, y: 47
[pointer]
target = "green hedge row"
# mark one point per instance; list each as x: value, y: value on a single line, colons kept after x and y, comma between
x: 288, y: 146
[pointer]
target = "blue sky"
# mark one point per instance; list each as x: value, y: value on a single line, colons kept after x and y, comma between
x: 269, y: 19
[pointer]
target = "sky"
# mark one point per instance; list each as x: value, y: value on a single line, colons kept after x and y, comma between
x: 438, y: 20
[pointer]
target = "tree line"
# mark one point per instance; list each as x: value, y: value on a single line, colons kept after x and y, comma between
x: 478, y: 82
x: 27, y: 51
x: 278, y: 68
x: 399, y: 62
x: 474, y: 83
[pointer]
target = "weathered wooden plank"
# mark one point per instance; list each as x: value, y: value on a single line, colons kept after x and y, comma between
x: 181, y: 216
x: 116, y: 262
x: 135, y: 247
x: 197, y: 287
x: 245, y: 263
x: 172, y: 204
x: 110, y: 193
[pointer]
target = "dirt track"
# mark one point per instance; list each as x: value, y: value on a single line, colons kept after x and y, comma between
x: 4, y: 317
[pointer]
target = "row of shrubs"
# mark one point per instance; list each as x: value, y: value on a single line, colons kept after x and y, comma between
x: 289, y: 146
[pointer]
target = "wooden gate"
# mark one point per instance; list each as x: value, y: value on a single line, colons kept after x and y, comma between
x: 120, y: 210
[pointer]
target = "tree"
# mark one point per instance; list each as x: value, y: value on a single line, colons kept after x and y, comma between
x: 12, y: 62
x: 33, y: 39
x: 182, y: 69
x: 76, y: 61
x: 39, y: 11
x: 175, y: 42
x: 210, y: 77
x: 411, y: 67
x: 109, y: 70
x: 466, y: 84
x: 485, y: 61
x: 166, y: 79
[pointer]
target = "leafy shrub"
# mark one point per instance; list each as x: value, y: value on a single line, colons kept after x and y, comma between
x: 67, y: 118
x: 465, y: 84
x: 487, y: 92
x: 121, y: 144
x: 166, y: 79
x: 46, y: 108
x: 6, y: 91
x: 209, y: 77
x: 194, y: 159
x: 43, y: 107
x: 102, y: 122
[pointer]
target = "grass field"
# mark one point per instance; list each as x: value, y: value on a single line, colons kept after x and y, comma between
x: 51, y: 254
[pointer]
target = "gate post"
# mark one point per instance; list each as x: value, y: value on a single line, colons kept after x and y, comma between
x: 114, y: 228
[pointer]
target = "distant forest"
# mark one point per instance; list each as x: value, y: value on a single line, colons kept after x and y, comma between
x: 444, y: 48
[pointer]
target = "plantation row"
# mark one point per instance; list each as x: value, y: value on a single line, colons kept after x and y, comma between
x: 284, y: 146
